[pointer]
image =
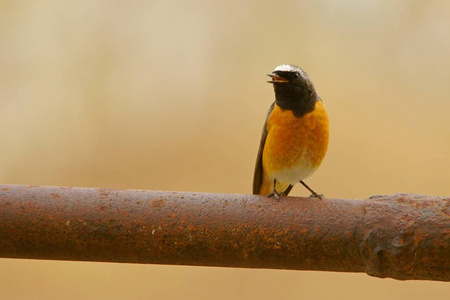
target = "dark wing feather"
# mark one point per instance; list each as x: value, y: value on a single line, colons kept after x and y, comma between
x: 258, y: 176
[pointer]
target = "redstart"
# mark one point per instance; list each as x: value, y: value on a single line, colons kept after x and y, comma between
x: 295, y: 135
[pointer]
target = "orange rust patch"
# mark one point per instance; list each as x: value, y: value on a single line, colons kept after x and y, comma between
x: 158, y: 202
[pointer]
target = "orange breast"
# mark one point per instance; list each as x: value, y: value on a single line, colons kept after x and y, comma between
x: 294, y: 144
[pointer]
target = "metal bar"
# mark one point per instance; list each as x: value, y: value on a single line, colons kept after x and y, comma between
x: 400, y: 236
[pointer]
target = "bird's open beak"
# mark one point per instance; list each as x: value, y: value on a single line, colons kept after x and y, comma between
x: 276, y: 78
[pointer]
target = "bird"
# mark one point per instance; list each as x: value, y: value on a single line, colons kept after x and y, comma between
x: 295, y: 135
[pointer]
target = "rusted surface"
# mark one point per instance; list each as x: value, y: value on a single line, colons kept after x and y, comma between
x: 399, y: 236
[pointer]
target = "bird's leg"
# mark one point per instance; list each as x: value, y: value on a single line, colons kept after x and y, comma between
x: 313, y: 193
x: 274, y: 193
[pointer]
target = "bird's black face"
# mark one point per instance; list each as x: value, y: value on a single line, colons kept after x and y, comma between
x: 293, y: 89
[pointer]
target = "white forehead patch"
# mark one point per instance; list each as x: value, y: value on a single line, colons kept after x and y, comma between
x: 290, y: 68
x: 287, y: 68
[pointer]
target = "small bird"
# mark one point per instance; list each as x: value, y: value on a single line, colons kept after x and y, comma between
x: 295, y: 135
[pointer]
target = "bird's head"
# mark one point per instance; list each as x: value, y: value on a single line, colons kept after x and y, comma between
x: 293, y: 87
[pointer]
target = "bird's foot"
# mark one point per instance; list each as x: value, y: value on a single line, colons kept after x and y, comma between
x: 315, y: 195
x: 275, y: 194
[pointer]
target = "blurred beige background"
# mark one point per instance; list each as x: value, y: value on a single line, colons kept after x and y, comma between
x: 171, y: 95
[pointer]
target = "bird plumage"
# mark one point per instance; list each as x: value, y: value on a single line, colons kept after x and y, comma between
x: 295, y: 134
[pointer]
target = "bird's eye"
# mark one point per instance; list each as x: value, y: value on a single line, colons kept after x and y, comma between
x: 296, y: 75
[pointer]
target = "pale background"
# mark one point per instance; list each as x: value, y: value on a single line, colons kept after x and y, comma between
x: 171, y: 95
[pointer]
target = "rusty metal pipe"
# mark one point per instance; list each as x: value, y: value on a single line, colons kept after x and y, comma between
x: 399, y: 236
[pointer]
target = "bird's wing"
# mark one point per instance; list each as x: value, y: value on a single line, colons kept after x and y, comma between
x: 258, y: 176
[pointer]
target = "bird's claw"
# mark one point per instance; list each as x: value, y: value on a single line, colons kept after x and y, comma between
x: 274, y: 194
x: 315, y: 195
